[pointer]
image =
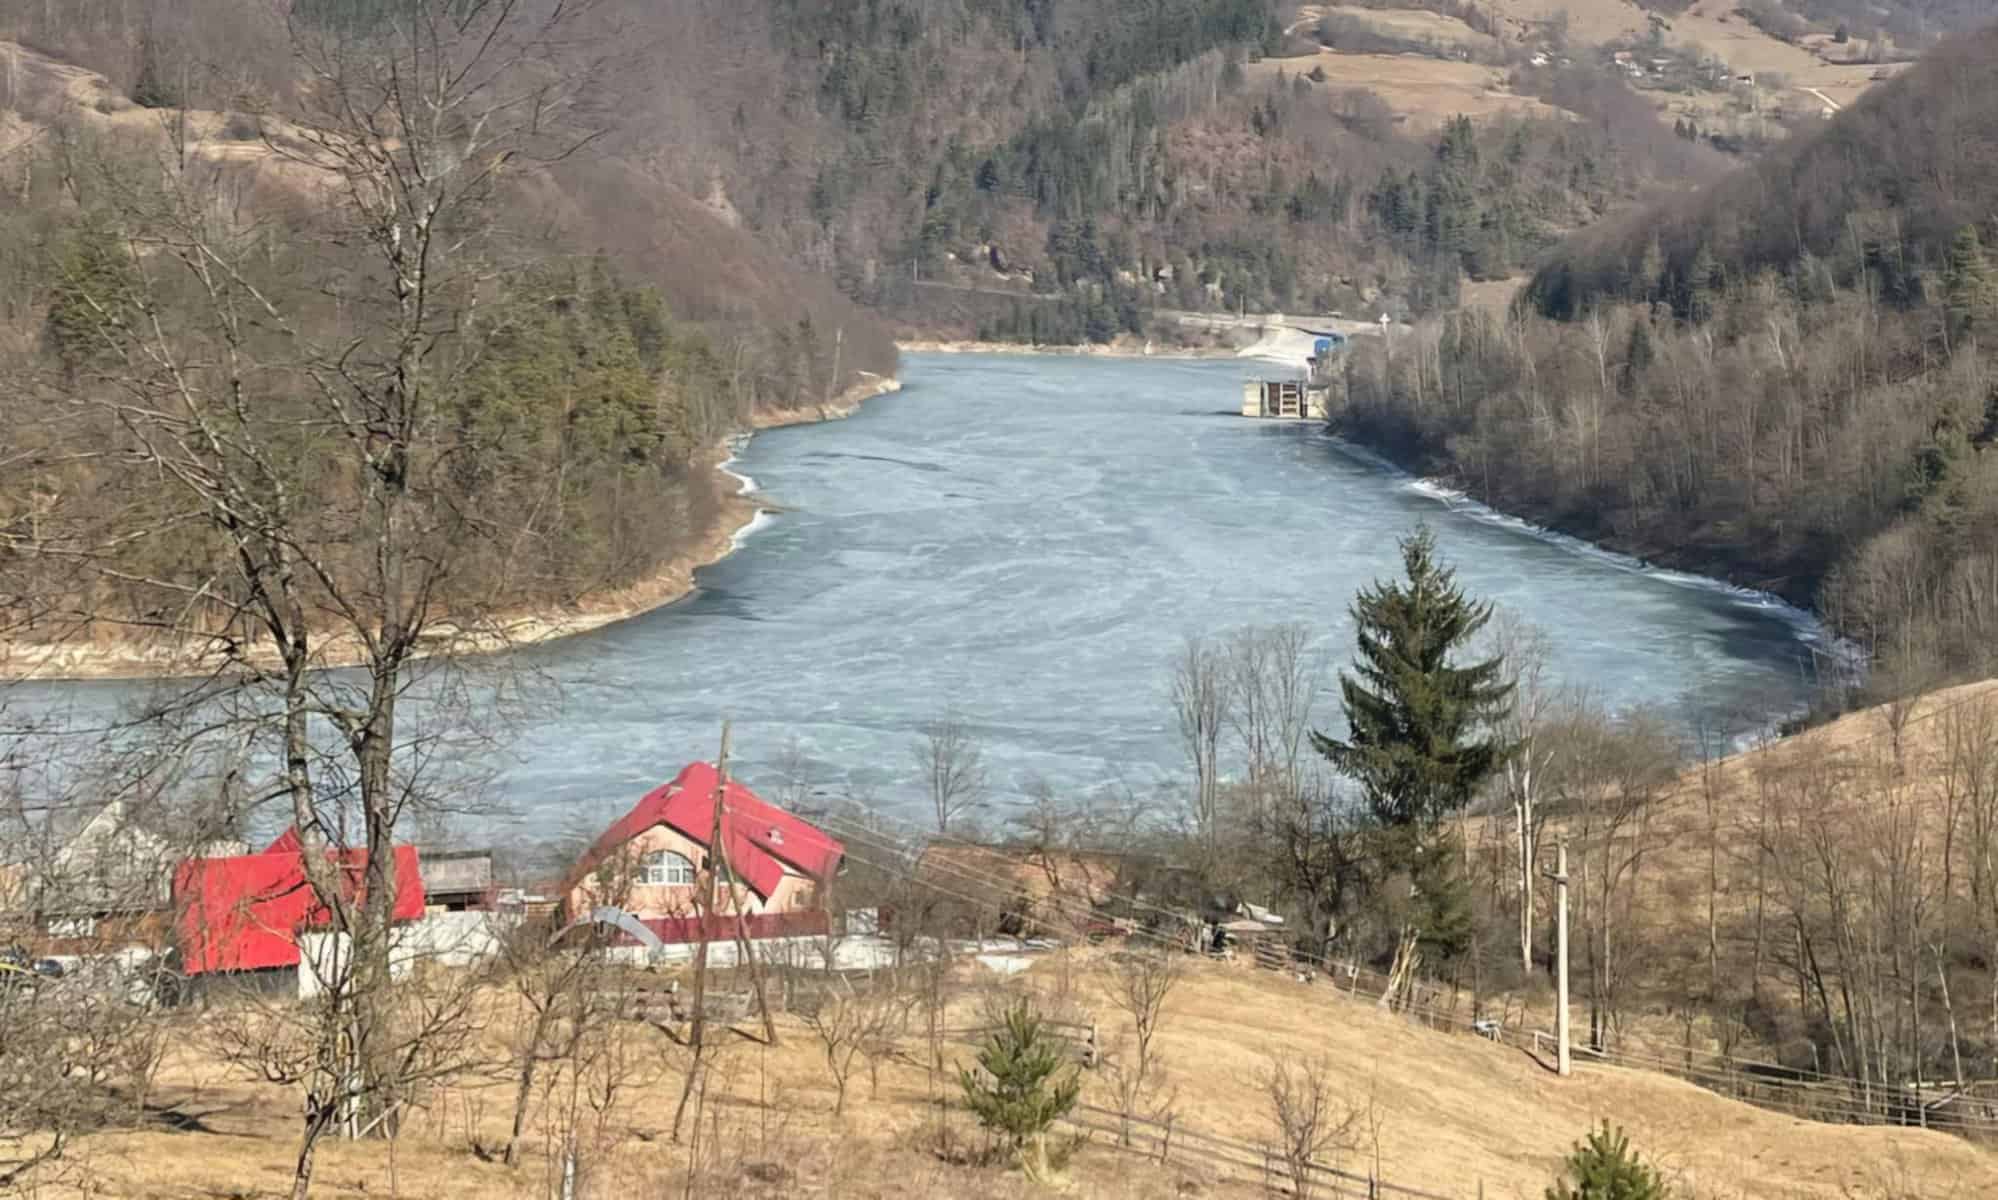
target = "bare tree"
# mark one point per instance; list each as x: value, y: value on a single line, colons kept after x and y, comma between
x: 315, y: 452
x: 1199, y: 691
x: 88, y: 840
x: 794, y: 774
x: 853, y: 1021
x: 563, y: 996
x: 1524, y: 651
x: 954, y: 771
x: 1312, y: 851
x: 1273, y: 679
x: 1141, y: 981
x: 1970, y: 781
x: 1310, y: 1122
x: 1613, y: 770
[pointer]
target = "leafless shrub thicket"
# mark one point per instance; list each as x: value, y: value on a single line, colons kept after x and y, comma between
x: 1312, y: 1126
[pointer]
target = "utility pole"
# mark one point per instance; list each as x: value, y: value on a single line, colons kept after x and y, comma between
x: 704, y: 913
x: 1563, y: 1064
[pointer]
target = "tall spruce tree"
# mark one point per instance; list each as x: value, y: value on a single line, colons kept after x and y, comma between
x: 1412, y: 714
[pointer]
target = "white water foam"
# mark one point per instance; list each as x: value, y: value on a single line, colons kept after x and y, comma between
x: 764, y: 518
x: 736, y: 445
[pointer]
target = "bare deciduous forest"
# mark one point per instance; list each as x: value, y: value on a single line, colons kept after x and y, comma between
x: 1787, y: 379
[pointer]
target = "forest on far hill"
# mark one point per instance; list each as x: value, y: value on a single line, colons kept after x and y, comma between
x: 1788, y: 378
x: 1097, y: 158
x: 1109, y: 157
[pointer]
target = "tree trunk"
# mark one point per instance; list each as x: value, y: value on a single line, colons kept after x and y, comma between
x: 521, y: 1098
x: 316, y: 1122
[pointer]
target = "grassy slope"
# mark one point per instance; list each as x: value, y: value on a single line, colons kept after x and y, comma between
x: 1456, y: 1114
x: 1859, y: 750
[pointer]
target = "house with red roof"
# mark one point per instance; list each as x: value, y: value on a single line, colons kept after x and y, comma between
x: 651, y: 861
x: 247, y: 912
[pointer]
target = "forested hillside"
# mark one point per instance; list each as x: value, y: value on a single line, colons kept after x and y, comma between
x: 1110, y: 157
x: 1788, y: 378
x: 594, y: 334
x: 1878, y: 197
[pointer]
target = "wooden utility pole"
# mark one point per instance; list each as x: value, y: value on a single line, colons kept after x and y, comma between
x: 1563, y: 1064
x: 704, y: 908
x: 744, y: 956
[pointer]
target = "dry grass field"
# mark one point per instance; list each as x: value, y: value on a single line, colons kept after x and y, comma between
x: 1428, y: 91
x: 1452, y: 1115
x: 1418, y: 24
x: 1808, y: 78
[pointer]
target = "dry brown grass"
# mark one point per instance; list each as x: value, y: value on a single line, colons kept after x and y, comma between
x: 1440, y: 89
x: 1427, y: 90
x: 1455, y: 1114
x: 1420, y: 24
x: 1663, y: 1011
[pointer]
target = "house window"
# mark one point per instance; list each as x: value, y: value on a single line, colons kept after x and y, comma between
x: 665, y: 867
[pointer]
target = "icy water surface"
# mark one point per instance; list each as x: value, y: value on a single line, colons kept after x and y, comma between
x: 1026, y: 539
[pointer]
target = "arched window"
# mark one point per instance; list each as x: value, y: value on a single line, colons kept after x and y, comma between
x: 665, y: 867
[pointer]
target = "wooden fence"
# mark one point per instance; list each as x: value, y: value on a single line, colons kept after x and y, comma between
x: 1169, y: 1142
x: 1080, y: 1036
x: 1968, y: 1108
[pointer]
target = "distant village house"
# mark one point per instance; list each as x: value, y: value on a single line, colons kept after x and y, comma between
x: 653, y: 861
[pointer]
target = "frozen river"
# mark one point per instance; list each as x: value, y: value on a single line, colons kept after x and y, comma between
x: 1026, y: 540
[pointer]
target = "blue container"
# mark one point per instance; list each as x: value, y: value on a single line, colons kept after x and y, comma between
x: 1322, y: 347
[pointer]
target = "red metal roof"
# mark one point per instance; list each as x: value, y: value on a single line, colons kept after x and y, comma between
x: 241, y: 913
x: 761, y: 839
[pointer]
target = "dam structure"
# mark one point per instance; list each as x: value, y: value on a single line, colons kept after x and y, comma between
x: 1307, y: 396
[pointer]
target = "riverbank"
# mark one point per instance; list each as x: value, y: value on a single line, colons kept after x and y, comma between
x: 126, y: 658
x: 842, y: 407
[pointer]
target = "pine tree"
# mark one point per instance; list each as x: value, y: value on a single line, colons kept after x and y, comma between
x: 1650, y: 272
x: 1022, y: 1091
x: 150, y: 88
x: 1700, y: 286
x: 93, y: 293
x: 1605, y: 1168
x: 1638, y: 355
x: 1967, y: 286
x: 1412, y: 715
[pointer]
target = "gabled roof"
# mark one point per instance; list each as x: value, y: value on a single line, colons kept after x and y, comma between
x: 761, y: 839
x: 242, y: 913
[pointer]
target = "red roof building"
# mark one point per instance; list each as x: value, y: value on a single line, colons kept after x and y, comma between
x: 243, y: 913
x: 649, y: 861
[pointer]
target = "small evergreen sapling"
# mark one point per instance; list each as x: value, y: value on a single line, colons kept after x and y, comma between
x: 1023, y: 1089
x: 1604, y: 1167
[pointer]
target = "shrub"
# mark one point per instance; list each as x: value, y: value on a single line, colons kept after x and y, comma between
x: 1022, y: 1090
x: 1604, y: 1167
